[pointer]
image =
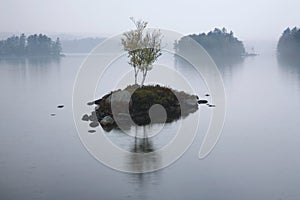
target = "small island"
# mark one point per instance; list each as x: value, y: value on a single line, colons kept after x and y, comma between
x: 288, y: 46
x: 37, y: 45
x: 177, y: 104
x: 139, y: 104
x: 221, y: 45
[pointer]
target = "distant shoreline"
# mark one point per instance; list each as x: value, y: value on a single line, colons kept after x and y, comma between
x: 31, y: 56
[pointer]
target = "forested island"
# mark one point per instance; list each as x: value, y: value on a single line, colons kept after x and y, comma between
x: 33, y: 45
x: 289, y: 43
x: 220, y: 44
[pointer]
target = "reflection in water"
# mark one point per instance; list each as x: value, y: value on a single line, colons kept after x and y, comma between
x: 290, y: 66
x: 145, y: 145
x: 137, y: 163
x: 142, y: 144
x: 33, y: 60
x: 228, y: 61
x: 227, y: 66
x: 256, y: 158
x: 289, y: 61
x: 219, y: 61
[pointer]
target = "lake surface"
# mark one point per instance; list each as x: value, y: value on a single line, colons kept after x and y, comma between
x: 257, y: 156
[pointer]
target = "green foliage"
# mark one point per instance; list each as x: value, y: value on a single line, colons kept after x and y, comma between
x: 143, y: 48
x: 33, y: 45
x: 217, y: 43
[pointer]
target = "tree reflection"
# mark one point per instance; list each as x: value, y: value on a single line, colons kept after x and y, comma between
x: 143, y: 145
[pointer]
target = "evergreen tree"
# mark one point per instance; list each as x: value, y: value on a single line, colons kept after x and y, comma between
x: 33, y: 45
x: 218, y: 43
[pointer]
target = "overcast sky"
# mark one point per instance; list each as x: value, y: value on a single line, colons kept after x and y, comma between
x: 252, y: 19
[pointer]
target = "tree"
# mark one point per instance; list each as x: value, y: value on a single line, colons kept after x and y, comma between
x: 143, y: 48
x: 56, y: 47
x: 22, y: 44
x: 33, y: 45
x: 289, y: 43
x: 150, y: 51
x: 131, y: 42
x: 218, y: 43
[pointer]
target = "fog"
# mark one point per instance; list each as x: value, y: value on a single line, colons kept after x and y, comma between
x: 249, y: 20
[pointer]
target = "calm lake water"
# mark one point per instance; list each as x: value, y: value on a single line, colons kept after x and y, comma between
x: 257, y: 156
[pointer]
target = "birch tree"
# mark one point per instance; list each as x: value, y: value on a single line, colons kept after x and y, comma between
x: 143, y: 48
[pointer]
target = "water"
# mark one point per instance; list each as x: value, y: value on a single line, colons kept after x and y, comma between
x: 41, y: 156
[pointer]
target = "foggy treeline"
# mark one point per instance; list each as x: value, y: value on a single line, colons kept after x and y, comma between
x: 33, y: 45
x: 289, y: 42
x: 218, y: 43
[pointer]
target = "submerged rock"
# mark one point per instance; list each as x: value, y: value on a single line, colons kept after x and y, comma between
x: 93, y: 117
x: 94, y: 124
x: 91, y: 103
x: 202, y: 101
x: 85, y: 117
x: 60, y: 106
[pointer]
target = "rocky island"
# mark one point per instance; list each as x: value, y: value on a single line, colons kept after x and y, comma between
x: 131, y: 106
x: 140, y: 104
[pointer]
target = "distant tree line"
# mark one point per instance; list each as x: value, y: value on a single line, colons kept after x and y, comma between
x: 84, y: 45
x: 218, y: 43
x: 289, y: 43
x: 33, y: 45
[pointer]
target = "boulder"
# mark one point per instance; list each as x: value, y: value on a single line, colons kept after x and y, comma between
x: 107, y: 120
x: 94, y: 124
x: 93, y: 117
x: 85, y: 117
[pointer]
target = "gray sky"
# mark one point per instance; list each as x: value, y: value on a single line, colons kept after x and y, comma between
x: 252, y: 19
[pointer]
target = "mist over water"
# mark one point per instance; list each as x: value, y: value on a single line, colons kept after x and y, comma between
x: 41, y: 156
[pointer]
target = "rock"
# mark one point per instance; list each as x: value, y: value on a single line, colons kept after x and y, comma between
x: 211, y: 105
x: 93, y: 117
x: 100, y: 114
x: 107, y: 120
x: 85, y: 117
x: 202, y: 102
x: 191, y: 102
x: 207, y: 95
x: 91, y: 131
x: 122, y: 96
x: 91, y: 103
x: 60, y: 106
x: 94, y: 124
x: 52, y: 114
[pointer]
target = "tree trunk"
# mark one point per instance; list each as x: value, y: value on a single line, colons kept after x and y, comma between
x: 144, y: 77
x: 136, y: 71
